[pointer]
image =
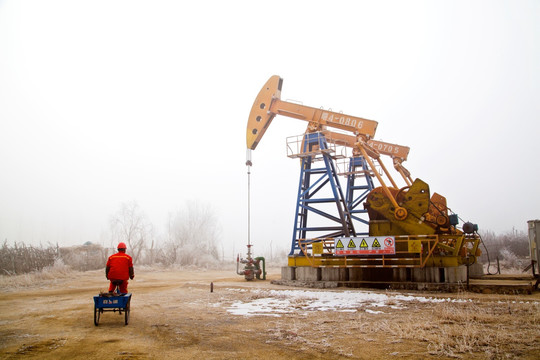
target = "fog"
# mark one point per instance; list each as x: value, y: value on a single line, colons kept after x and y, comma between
x: 103, y: 103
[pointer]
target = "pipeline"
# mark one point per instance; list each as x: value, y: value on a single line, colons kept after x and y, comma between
x: 258, y: 259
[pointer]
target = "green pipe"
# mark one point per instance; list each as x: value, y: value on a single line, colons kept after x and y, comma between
x: 263, y: 267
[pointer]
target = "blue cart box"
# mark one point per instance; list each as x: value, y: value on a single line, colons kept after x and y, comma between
x: 112, y: 301
x: 120, y: 304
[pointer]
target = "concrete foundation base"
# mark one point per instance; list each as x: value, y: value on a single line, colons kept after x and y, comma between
x: 288, y: 273
x: 418, y: 275
x: 449, y: 279
x: 476, y: 270
x: 334, y: 274
x: 304, y: 273
x: 455, y: 274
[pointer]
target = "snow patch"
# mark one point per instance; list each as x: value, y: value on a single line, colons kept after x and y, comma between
x: 278, y: 302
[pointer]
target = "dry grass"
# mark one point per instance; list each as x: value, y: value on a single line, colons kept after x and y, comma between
x: 480, y: 329
x: 309, y: 336
x: 497, y: 329
x: 46, y: 276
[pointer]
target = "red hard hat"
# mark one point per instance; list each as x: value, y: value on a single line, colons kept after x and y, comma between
x: 122, y: 246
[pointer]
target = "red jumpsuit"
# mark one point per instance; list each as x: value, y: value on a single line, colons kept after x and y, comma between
x: 119, y: 267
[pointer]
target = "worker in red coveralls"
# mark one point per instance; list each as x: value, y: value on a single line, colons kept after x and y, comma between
x: 119, y: 269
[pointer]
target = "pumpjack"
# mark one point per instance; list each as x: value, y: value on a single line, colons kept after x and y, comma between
x: 407, y: 226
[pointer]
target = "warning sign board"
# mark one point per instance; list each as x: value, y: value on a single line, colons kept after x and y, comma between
x: 317, y: 248
x: 414, y: 246
x: 368, y: 245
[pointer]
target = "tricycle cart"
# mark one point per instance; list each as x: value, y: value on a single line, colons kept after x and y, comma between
x: 111, y: 303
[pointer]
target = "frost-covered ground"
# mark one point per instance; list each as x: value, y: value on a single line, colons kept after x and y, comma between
x: 277, y: 302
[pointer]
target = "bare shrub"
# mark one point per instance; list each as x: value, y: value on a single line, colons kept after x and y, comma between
x: 150, y: 254
x: 169, y: 255
x: 511, y: 262
x: 85, y: 257
x: 510, y: 248
x: 21, y: 258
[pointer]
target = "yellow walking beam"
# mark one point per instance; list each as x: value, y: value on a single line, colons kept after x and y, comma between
x: 268, y: 104
x: 398, y: 153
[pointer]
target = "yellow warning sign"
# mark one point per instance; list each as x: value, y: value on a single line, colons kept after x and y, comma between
x: 364, y: 244
x: 376, y: 244
x: 317, y: 248
x: 339, y: 244
x: 415, y: 246
x: 351, y: 244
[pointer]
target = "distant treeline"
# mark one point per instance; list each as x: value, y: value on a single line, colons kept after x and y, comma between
x: 511, y: 249
x: 21, y: 258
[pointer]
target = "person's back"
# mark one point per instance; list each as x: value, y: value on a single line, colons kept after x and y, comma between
x: 119, y: 268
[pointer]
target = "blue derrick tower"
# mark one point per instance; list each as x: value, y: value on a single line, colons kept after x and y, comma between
x: 323, y: 209
x: 359, y: 184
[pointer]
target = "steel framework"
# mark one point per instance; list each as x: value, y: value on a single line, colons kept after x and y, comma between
x: 357, y: 191
x: 318, y: 187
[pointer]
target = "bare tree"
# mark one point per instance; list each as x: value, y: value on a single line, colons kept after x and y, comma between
x: 130, y: 225
x: 193, y: 235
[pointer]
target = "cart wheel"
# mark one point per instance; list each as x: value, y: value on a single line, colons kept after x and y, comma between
x: 97, y: 314
x: 126, y: 312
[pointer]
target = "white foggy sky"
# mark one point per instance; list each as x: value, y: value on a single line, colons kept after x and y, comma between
x: 104, y: 102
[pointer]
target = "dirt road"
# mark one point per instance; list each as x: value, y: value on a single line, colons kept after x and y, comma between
x: 175, y: 316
